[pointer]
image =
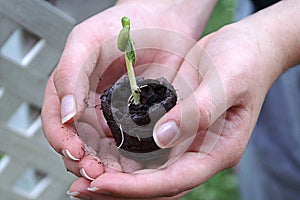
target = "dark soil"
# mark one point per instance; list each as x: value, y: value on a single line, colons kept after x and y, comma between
x: 132, y: 125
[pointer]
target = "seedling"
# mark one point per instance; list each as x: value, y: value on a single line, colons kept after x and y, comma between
x: 132, y: 122
x: 125, y: 44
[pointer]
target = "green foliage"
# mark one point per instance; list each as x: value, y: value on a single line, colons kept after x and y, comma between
x: 222, y: 186
x: 223, y: 14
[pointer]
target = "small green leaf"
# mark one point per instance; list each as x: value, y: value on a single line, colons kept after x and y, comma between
x: 125, y: 43
x: 123, y: 39
x: 130, y: 51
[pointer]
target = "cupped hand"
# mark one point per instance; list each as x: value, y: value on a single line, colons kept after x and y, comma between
x: 228, y: 79
x: 90, y: 54
x: 228, y: 74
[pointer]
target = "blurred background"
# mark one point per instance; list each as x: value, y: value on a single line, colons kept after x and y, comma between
x: 32, y: 36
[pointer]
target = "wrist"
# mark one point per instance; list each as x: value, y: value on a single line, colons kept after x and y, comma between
x: 276, y: 30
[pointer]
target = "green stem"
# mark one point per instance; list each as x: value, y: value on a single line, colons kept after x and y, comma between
x: 135, y: 90
x: 125, y: 44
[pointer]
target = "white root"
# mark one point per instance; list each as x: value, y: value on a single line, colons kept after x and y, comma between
x: 122, y: 134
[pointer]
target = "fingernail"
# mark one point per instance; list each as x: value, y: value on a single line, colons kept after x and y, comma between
x: 66, y: 153
x: 166, y: 134
x: 85, y: 175
x: 68, y: 108
x: 74, y: 198
x: 75, y: 193
x: 98, y: 191
x: 93, y: 189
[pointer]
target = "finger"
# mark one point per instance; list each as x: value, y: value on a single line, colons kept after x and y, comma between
x: 71, y: 76
x: 109, y: 155
x: 194, y: 113
x: 160, y: 183
x: 160, y: 52
x: 165, y: 64
x: 189, y: 171
x: 188, y: 78
x: 93, y: 116
x: 72, y: 166
x: 91, y: 167
x: 80, y: 188
x: 77, y: 63
x: 88, y: 135
x: 62, y: 138
x: 129, y: 165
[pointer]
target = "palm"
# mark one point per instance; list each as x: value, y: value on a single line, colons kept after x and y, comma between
x: 155, y: 59
x: 220, y: 85
x: 84, y: 42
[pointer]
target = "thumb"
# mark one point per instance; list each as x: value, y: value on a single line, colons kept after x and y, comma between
x: 192, y: 115
x: 71, y: 76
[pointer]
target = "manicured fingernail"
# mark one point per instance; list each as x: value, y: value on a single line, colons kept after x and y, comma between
x: 68, y: 108
x: 85, y: 175
x: 74, y: 198
x: 66, y: 153
x: 166, y: 134
x: 75, y: 193
x: 93, y: 189
x: 98, y: 190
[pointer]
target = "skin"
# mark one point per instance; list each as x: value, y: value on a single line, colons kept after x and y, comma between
x: 228, y: 110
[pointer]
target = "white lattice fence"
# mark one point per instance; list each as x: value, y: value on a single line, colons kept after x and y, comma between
x: 32, y: 35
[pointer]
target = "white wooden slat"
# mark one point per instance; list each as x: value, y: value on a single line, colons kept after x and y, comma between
x: 85, y: 9
x: 25, y: 153
x: 26, y: 83
x: 12, y: 173
x: 27, y: 150
x: 55, y: 191
x: 8, y: 194
x: 7, y: 27
x: 54, y: 195
x: 45, y: 60
x: 40, y: 18
x: 23, y: 83
x: 8, y: 105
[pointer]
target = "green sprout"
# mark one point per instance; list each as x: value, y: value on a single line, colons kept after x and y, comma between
x: 125, y: 44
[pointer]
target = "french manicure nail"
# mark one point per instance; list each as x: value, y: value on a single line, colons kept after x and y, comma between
x: 80, y: 198
x: 66, y: 153
x: 68, y: 108
x: 166, y: 134
x: 74, y: 198
x: 85, y: 175
x: 93, y: 189
x: 75, y: 193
